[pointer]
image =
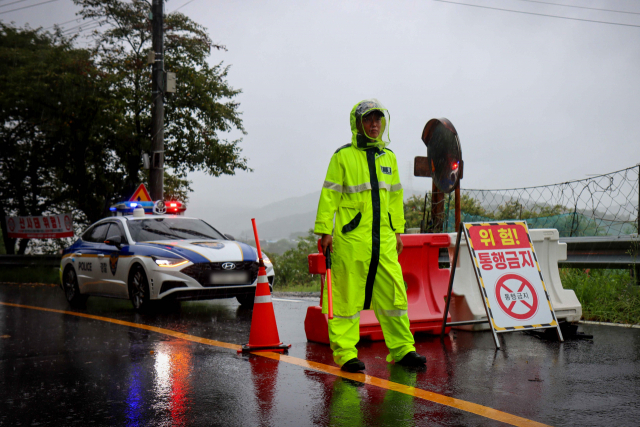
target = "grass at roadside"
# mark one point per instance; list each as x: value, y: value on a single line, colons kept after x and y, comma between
x: 31, y: 274
x: 307, y: 287
x: 605, y: 295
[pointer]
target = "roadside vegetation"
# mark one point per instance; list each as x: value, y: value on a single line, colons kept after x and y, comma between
x: 292, y: 268
x: 605, y: 295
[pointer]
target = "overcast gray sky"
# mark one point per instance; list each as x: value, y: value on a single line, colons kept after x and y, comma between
x: 536, y: 100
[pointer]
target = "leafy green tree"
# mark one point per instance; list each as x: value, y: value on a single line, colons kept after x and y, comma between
x: 201, y: 109
x: 76, y: 121
x: 50, y: 92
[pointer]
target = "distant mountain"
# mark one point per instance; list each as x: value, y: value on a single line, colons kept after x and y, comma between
x: 283, y: 219
x: 277, y: 220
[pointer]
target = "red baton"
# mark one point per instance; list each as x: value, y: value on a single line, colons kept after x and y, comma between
x: 329, y: 296
x: 255, y: 234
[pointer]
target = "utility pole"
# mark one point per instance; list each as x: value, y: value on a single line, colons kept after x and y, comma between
x: 156, y: 171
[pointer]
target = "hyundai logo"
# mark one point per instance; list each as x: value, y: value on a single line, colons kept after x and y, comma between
x: 228, y: 266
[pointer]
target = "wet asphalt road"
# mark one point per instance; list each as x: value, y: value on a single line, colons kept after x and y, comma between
x: 57, y: 369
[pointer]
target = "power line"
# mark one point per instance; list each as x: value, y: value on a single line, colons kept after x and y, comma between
x: 14, y: 2
x: 80, y: 31
x: 538, y: 14
x: 27, y: 7
x: 581, y: 7
x: 84, y: 30
x: 180, y: 7
x: 84, y: 24
x: 62, y: 23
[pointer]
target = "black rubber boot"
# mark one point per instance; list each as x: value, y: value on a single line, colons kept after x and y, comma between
x: 413, y: 359
x: 353, y: 365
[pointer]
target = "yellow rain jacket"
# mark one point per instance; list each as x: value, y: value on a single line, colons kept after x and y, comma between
x: 363, y: 189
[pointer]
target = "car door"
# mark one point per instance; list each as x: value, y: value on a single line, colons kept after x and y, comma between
x: 113, y: 271
x: 87, y: 258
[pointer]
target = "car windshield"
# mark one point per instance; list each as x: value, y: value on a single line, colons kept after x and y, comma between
x: 152, y: 229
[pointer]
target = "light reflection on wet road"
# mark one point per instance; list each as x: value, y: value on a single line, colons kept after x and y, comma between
x: 64, y: 370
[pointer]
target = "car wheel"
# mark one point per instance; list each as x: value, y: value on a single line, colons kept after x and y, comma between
x: 139, y: 289
x: 246, y: 300
x: 71, y: 289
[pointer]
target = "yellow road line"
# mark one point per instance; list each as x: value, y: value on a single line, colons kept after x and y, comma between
x: 134, y: 325
x: 452, y: 402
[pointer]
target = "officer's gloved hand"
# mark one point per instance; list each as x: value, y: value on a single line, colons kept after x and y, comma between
x: 326, y: 240
x: 399, y: 245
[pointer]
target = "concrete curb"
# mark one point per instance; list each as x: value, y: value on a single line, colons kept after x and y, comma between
x: 622, y: 325
x: 296, y: 294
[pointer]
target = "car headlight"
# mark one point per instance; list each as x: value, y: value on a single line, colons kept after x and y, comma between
x: 266, y: 260
x: 169, y: 262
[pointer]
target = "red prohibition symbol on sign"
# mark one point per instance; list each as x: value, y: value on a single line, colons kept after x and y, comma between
x: 519, y: 301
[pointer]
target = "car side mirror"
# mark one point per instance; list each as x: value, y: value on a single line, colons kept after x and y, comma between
x: 114, y: 241
x: 230, y: 237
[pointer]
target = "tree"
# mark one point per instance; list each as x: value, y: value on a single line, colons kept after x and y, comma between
x: 201, y: 109
x: 76, y: 121
x: 49, y: 91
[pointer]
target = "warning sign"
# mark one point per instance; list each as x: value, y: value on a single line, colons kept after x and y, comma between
x: 140, y: 195
x: 40, y: 227
x: 508, y: 272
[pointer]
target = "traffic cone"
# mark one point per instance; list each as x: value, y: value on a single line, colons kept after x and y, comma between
x: 264, y: 330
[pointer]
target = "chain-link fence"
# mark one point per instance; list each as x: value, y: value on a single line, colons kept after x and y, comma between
x: 603, y: 205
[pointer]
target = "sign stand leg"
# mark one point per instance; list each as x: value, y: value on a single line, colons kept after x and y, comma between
x: 560, y: 338
x: 453, y: 272
x: 450, y: 289
x: 482, y: 293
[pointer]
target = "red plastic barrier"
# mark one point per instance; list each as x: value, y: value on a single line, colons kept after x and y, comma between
x: 426, y: 290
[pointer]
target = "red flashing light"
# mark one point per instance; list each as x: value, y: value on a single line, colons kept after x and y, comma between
x: 454, y: 166
x: 175, y: 207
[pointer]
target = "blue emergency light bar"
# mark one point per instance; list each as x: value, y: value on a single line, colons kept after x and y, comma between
x: 126, y: 208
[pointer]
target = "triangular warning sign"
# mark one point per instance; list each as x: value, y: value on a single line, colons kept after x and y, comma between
x: 140, y: 195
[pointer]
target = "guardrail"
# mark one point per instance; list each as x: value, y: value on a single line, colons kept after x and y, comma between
x: 602, y: 251
x: 30, y: 260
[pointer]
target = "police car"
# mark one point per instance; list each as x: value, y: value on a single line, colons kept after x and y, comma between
x: 149, y: 251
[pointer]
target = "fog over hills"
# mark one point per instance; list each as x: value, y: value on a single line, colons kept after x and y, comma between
x: 277, y: 220
x: 283, y: 219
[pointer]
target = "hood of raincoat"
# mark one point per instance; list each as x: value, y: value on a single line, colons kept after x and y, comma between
x: 359, y: 139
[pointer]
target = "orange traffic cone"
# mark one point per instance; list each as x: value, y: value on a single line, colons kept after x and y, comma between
x: 264, y: 330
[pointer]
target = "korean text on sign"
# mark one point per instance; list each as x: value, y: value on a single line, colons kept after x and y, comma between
x: 510, y: 236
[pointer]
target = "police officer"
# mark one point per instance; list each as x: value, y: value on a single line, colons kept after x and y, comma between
x: 362, y: 189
